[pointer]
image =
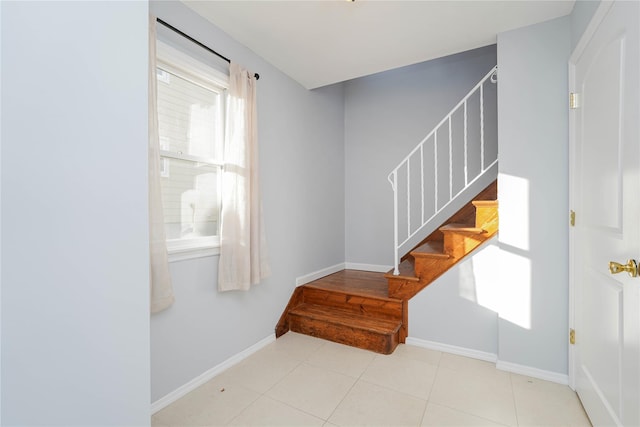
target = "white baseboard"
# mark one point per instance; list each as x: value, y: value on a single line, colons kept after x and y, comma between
x: 368, y: 267
x: 165, y: 401
x: 529, y: 371
x: 318, y: 274
x: 447, y: 348
x: 490, y: 357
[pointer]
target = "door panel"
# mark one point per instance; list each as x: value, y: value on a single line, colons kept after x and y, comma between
x: 600, y: 340
x: 605, y: 179
x: 602, y: 86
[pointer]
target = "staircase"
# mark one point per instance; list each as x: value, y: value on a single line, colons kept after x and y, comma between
x: 370, y: 310
x: 472, y: 225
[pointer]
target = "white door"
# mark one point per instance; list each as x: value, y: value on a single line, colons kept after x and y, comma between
x: 605, y: 185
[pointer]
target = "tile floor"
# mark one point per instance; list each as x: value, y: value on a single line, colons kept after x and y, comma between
x: 303, y: 381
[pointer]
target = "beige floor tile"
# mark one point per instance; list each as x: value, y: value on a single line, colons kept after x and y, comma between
x: 260, y: 371
x: 369, y: 405
x: 294, y: 345
x: 438, y: 415
x: 301, y: 380
x: 466, y: 364
x: 211, y: 404
x: 480, y: 392
x: 314, y: 390
x: 422, y: 354
x: 540, y: 402
x: 268, y: 412
x: 341, y: 358
x: 402, y: 374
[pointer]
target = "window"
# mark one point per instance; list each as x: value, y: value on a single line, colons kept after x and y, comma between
x: 191, y: 109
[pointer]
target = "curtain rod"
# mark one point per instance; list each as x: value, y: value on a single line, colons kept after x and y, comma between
x: 187, y: 36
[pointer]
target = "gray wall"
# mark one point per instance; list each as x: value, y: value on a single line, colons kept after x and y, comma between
x: 533, y: 193
x: 75, y: 275
x: 386, y: 116
x: 301, y: 139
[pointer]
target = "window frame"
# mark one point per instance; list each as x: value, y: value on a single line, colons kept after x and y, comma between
x: 174, y: 61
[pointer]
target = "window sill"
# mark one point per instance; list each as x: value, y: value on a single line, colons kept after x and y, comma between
x: 181, y: 251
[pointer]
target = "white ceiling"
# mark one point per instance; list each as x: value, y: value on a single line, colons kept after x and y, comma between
x: 318, y: 43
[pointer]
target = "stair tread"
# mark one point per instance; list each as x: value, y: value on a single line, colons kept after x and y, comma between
x: 462, y: 228
x: 485, y: 203
x: 407, y: 272
x: 353, y: 282
x: 346, y: 318
x: 433, y: 249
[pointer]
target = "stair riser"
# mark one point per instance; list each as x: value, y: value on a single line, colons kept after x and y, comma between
x: 431, y: 269
x: 371, y: 307
x: 283, y: 324
x: 403, y: 289
x: 459, y: 244
x: 368, y: 340
x: 428, y: 269
x: 487, y: 218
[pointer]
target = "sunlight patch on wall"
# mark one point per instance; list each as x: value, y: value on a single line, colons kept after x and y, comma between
x: 500, y: 281
x: 479, y: 278
x: 515, y: 289
x: 486, y: 268
x: 467, y: 283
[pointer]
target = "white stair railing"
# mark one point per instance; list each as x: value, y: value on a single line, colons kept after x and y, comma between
x: 458, y: 170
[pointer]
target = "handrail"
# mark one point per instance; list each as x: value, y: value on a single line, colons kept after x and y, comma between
x: 419, y: 150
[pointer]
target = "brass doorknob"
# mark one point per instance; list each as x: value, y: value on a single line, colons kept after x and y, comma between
x: 630, y: 267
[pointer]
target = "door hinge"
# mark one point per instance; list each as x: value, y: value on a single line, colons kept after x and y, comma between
x: 574, y: 100
x: 572, y: 218
x: 572, y: 336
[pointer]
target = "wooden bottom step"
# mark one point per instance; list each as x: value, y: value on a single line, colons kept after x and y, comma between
x: 344, y: 327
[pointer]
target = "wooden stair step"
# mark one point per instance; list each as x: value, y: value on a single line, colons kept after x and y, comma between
x: 487, y: 214
x: 460, y: 239
x: 430, y: 249
x: 485, y: 203
x: 346, y: 327
x: 407, y: 279
x: 353, y: 282
x: 360, y: 304
x: 462, y: 228
x: 336, y: 315
x: 407, y: 272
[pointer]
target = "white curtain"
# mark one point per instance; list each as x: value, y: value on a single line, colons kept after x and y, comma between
x: 161, y: 289
x: 243, y: 250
